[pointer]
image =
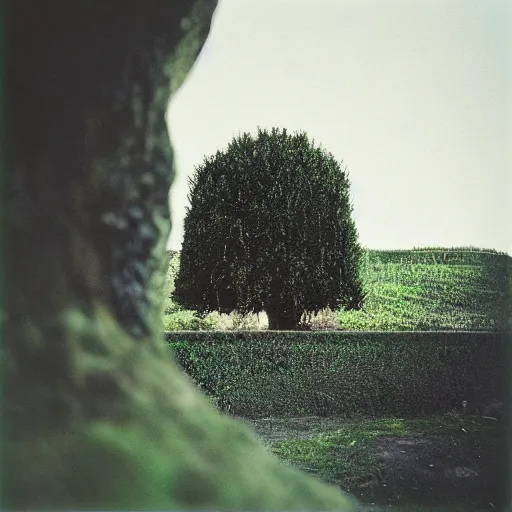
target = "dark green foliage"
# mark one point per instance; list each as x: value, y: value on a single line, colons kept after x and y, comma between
x: 340, y: 374
x: 269, y: 228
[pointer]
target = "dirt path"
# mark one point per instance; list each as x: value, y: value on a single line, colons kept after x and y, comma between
x: 456, y: 470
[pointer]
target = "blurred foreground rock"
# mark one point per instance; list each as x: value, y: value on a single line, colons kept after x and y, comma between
x: 95, y: 415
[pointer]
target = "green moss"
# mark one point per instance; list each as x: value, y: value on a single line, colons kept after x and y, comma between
x: 97, y: 466
x: 156, y: 443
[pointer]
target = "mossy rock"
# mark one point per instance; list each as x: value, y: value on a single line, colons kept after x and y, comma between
x: 95, y: 414
x: 156, y: 443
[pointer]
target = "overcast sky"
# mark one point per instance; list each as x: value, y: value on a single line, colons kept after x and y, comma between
x: 413, y: 96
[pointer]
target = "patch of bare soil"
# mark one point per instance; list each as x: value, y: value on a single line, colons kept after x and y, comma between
x: 434, y: 470
x: 459, y: 471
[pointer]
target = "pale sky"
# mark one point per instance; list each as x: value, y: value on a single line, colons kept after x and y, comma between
x: 414, y: 96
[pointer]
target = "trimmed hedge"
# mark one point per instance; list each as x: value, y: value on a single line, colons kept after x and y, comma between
x: 345, y: 374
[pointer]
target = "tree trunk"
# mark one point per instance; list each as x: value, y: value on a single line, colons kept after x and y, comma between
x: 284, y: 320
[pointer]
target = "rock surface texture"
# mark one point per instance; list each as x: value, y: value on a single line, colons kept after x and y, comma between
x: 95, y: 415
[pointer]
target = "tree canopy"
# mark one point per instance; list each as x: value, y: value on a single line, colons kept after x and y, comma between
x: 269, y: 228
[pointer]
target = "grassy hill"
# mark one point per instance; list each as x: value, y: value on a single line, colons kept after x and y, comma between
x: 418, y: 289
x: 434, y: 289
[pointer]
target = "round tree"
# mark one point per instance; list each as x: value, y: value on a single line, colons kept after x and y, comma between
x: 269, y: 228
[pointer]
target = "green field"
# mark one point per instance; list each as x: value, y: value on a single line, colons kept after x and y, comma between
x: 418, y: 289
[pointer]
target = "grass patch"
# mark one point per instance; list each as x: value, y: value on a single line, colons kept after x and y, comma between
x: 343, y: 453
x: 430, y: 461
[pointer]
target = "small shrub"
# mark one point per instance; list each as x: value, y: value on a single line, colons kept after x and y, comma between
x: 323, y: 320
x: 171, y: 307
x: 238, y: 322
x: 188, y: 321
x: 247, y: 322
